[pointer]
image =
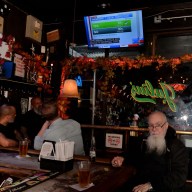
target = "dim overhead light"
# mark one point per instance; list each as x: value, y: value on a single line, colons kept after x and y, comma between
x: 104, y: 5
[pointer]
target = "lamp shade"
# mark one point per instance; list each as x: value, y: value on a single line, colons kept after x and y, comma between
x: 70, y: 89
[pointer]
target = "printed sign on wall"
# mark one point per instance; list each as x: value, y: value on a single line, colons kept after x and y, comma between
x: 114, y: 140
x: 19, y: 65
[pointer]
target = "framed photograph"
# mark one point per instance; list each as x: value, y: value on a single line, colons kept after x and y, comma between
x: 24, y: 105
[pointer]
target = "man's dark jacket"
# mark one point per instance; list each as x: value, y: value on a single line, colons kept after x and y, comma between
x: 167, y: 172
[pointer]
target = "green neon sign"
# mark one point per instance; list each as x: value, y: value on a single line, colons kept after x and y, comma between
x: 166, y: 93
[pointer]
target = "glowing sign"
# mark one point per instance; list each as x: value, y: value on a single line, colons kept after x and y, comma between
x: 79, y: 81
x: 166, y: 92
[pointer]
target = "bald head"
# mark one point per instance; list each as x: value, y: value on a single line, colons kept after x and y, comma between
x: 7, y: 114
x: 157, y: 115
x: 7, y: 110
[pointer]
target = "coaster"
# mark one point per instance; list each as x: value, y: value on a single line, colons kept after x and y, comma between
x: 78, y: 188
x: 19, y: 157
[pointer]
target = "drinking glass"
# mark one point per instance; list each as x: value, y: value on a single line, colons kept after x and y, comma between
x: 84, y: 173
x: 23, y: 148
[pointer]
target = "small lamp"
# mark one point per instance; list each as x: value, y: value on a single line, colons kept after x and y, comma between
x: 70, y: 89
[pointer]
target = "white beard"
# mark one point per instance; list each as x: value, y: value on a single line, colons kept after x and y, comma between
x: 156, y: 144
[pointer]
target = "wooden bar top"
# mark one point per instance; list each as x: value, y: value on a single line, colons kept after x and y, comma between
x: 36, y: 152
x: 102, y: 174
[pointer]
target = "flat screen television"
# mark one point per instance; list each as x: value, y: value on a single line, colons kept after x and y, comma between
x: 114, y: 30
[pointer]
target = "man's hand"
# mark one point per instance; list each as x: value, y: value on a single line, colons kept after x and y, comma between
x: 143, y: 187
x: 117, y: 161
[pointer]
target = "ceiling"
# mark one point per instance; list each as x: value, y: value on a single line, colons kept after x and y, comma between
x: 74, y: 10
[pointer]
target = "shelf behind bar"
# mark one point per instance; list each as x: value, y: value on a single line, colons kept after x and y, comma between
x: 139, y: 129
x: 18, y: 82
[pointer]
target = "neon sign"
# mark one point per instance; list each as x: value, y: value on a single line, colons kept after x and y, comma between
x: 166, y: 92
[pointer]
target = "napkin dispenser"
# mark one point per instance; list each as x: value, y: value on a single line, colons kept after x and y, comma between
x: 55, y: 158
x: 56, y: 165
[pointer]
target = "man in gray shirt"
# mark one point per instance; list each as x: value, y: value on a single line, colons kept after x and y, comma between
x: 56, y: 129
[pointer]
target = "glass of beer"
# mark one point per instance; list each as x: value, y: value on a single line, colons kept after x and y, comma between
x: 84, y: 168
x: 23, y: 148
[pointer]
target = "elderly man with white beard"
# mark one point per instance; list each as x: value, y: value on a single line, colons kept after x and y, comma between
x: 163, y: 165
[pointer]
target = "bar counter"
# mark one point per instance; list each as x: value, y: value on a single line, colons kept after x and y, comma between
x: 23, y: 169
x: 36, y: 153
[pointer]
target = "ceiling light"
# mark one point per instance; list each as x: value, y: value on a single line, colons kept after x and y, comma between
x: 104, y: 5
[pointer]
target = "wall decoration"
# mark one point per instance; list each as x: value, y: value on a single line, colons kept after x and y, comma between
x: 6, y: 47
x: 109, y: 65
x: 24, y: 105
x: 19, y: 65
x: 33, y: 28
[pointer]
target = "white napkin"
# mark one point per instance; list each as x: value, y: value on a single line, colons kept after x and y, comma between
x: 78, y: 188
x: 46, y: 149
x: 64, y: 150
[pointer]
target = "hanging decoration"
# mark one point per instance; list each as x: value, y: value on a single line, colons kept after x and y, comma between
x: 107, y: 82
x: 81, y: 64
x: 179, y: 87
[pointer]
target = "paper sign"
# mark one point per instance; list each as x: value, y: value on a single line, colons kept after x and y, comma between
x: 114, y: 140
x: 19, y: 65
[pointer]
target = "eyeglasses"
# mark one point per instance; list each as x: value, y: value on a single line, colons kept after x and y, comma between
x: 157, y: 126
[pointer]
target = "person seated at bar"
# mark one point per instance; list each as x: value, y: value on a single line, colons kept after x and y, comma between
x: 164, y: 164
x: 56, y: 129
x: 32, y: 120
x: 8, y: 135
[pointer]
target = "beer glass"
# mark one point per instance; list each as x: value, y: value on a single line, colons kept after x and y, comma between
x: 23, y: 148
x: 84, y: 173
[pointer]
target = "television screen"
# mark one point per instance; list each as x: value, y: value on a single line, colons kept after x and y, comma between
x: 114, y: 30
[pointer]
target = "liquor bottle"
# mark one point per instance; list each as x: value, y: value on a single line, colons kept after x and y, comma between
x: 92, y: 152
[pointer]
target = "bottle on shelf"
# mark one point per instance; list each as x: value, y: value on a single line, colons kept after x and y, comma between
x: 92, y: 151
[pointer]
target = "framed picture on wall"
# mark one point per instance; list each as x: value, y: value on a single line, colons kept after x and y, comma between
x: 24, y: 105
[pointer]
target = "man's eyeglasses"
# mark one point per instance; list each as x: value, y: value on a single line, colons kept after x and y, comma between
x: 157, y: 126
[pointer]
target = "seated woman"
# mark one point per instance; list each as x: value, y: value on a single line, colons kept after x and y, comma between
x: 56, y: 129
